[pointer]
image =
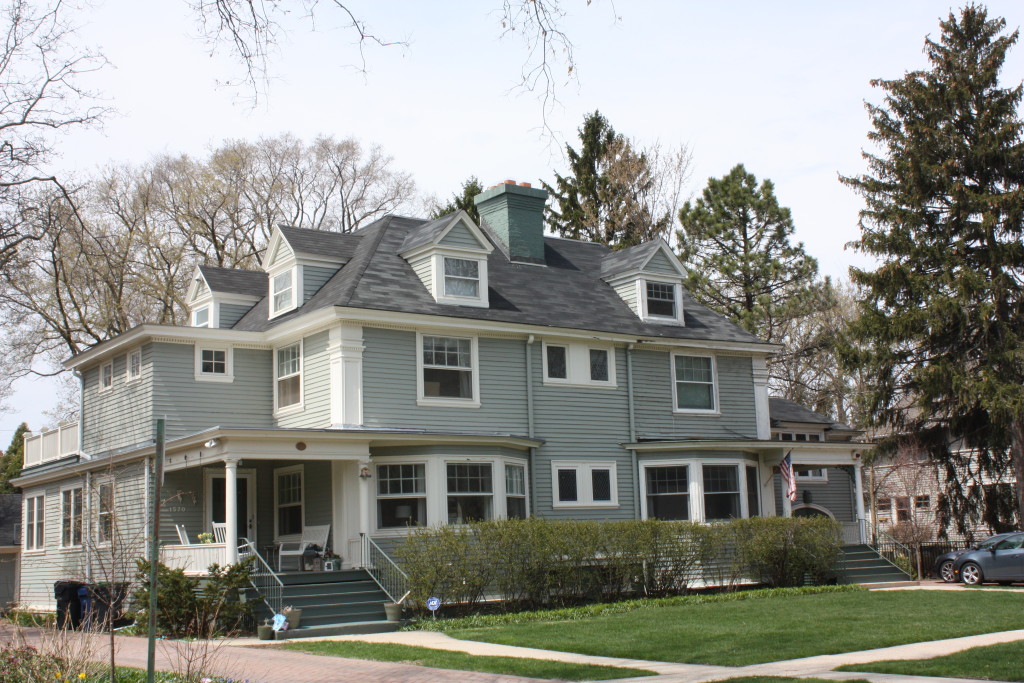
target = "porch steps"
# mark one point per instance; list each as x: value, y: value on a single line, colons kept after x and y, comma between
x: 334, y: 603
x: 861, y: 564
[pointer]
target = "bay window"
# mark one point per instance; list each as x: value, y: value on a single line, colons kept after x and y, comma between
x: 470, y: 492
x: 401, y: 496
x: 721, y: 492
x: 515, y: 491
x: 668, y: 492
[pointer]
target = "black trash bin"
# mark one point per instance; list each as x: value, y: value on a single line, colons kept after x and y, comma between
x: 69, y: 609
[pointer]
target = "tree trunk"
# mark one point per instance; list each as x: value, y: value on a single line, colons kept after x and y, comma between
x: 1017, y: 462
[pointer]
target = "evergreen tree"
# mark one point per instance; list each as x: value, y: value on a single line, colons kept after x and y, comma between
x: 462, y: 201
x: 12, y: 460
x: 611, y: 194
x: 735, y: 242
x: 942, y: 319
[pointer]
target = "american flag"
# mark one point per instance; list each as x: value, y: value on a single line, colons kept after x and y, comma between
x: 786, y: 470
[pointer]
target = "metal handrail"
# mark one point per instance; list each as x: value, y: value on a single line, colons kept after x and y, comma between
x: 882, y: 538
x: 263, y: 578
x: 383, y: 570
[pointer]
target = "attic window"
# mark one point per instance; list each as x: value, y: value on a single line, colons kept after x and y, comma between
x: 201, y: 317
x: 461, y: 277
x: 282, y: 291
x: 661, y: 299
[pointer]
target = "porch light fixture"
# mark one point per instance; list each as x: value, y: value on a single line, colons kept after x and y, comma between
x: 364, y: 473
x: 212, y: 443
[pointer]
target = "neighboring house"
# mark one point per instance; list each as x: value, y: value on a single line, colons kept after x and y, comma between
x: 419, y: 373
x: 10, y: 548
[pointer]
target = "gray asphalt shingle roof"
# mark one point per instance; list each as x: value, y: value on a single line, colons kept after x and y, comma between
x: 784, y: 410
x: 321, y: 242
x: 235, y: 281
x: 626, y: 260
x: 567, y: 293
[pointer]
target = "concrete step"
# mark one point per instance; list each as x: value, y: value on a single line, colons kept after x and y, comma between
x: 341, y: 629
x: 332, y: 588
x: 329, y: 599
x: 306, y: 578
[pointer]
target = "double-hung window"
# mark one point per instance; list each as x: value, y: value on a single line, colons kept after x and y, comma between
x: 515, y: 491
x: 668, y: 492
x: 401, y: 496
x: 134, y: 365
x: 107, y: 376
x: 289, y: 376
x: 470, y: 492
x: 71, y: 517
x: 34, y: 516
x: 282, y: 292
x: 584, y: 484
x: 694, y: 379
x: 461, y: 277
x: 201, y: 317
x: 661, y: 300
x: 721, y: 492
x: 288, y: 499
x: 105, y: 512
x: 447, y: 368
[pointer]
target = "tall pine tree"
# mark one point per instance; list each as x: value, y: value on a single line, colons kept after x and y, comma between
x: 13, y: 459
x: 462, y: 201
x: 942, y: 320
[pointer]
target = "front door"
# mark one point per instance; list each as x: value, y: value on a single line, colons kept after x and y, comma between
x: 216, y: 497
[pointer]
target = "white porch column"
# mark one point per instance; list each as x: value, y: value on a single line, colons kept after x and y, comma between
x: 345, y: 350
x: 760, y: 371
x: 787, y: 505
x: 365, y: 499
x: 231, y: 511
x: 858, y: 482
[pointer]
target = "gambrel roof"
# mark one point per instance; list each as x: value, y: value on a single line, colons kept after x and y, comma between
x: 568, y: 292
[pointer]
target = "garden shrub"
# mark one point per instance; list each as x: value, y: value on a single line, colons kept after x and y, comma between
x: 196, y: 607
x: 533, y: 563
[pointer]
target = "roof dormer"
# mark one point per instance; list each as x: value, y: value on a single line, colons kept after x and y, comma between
x: 649, y: 278
x: 219, y: 297
x: 298, y: 262
x: 449, y: 255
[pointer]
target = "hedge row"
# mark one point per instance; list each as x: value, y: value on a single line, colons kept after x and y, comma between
x: 537, y: 562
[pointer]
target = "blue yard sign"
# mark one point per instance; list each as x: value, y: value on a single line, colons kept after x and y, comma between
x: 433, y: 604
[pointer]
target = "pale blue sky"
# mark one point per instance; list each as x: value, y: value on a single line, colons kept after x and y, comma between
x: 777, y: 86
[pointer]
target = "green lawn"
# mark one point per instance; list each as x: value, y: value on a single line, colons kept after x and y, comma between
x: 739, y: 632
x: 993, y: 662
x: 785, y: 679
x: 445, y: 659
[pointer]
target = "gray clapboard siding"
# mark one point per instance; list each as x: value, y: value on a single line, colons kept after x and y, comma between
x: 837, y: 495
x: 190, y: 406
x: 660, y: 263
x: 182, y: 502
x: 627, y: 292
x: 460, y: 236
x: 231, y: 314
x: 121, y: 416
x: 283, y: 253
x: 313, y: 278
x: 424, y: 269
x: 582, y: 424
x: 389, y: 386
x: 653, y: 393
x: 316, y: 386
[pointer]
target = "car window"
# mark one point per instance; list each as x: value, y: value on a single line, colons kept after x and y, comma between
x: 989, y: 542
x: 1011, y: 543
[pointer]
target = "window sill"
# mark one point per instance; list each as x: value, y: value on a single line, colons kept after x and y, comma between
x: 586, y: 506
x: 468, y: 301
x: 447, y: 402
x: 35, y: 551
x: 290, y: 410
x: 696, y: 411
x: 70, y: 548
x: 580, y: 385
x: 226, y: 379
x: 662, y: 320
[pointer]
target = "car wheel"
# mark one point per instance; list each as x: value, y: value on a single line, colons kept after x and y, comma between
x: 971, y: 574
x: 946, y: 571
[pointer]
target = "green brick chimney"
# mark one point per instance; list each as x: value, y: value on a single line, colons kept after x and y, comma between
x: 515, y: 213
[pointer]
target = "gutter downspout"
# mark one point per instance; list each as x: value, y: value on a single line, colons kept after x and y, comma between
x: 634, y: 465
x: 81, y: 413
x: 529, y: 423
x: 87, y: 526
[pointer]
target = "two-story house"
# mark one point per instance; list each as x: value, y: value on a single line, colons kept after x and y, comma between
x: 416, y: 373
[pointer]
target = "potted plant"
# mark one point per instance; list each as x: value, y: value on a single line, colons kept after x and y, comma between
x: 293, y: 615
x: 332, y: 562
x: 265, y: 631
x: 205, y: 537
x: 393, y: 611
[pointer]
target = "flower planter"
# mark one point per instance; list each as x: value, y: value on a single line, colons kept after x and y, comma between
x: 265, y: 632
x: 294, y: 616
x: 393, y: 611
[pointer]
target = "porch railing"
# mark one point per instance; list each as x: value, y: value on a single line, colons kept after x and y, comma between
x: 193, y: 558
x: 383, y: 570
x: 262, y: 577
x: 51, y: 445
x: 899, y: 554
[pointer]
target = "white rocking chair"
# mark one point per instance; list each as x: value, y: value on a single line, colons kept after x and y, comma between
x: 220, y: 532
x: 182, y: 534
x: 311, y: 536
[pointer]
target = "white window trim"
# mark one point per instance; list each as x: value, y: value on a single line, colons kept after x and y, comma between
x: 437, y: 264
x: 807, y: 478
x: 641, y: 297
x: 585, y: 483
x: 295, y: 407
x: 97, y: 483
x: 228, y: 376
x: 778, y: 434
x: 377, y: 497
x: 210, y: 315
x: 296, y: 271
x: 577, y: 364
x: 693, y: 504
x: 278, y: 471
x: 448, y: 402
x: 40, y: 543
x: 60, y: 519
x: 129, y: 378
x: 506, y: 463
x: 696, y: 483
x: 714, y: 381
x: 101, y: 388
x: 435, y: 472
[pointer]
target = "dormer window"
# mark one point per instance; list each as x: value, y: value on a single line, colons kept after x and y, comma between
x: 201, y: 317
x: 282, y: 294
x: 661, y: 300
x: 461, y: 277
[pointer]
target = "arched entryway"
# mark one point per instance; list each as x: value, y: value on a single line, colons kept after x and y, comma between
x: 811, y: 510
